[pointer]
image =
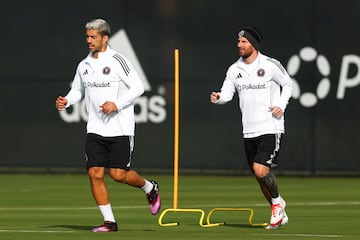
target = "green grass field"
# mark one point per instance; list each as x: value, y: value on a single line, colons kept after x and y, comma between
x: 59, y: 206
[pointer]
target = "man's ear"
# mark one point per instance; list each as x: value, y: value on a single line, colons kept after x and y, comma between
x: 106, y: 38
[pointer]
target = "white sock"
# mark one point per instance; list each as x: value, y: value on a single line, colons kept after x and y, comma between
x: 276, y: 200
x: 107, y: 212
x: 147, y: 187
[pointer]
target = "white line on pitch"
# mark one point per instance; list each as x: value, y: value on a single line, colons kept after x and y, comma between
x: 292, y: 204
x: 301, y: 235
x: 33, y: 231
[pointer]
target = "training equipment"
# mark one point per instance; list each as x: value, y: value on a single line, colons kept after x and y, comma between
x: 250, y: 210
x: 176, y: 153
x: 176, y: 168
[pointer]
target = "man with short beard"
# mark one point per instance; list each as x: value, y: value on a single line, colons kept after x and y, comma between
x: 264, y: 88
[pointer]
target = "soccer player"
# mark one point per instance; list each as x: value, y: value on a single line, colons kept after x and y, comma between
x: 264, y: 89
x: 109, y: 84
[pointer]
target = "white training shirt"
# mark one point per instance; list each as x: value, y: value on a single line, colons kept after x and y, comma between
x: 110, y: 77
x: 261, y: 84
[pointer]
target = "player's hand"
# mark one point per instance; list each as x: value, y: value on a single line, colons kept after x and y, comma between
x: 61, y: 103
x: 214, y: 97
x: 108, y: 107
x: 276, y: 111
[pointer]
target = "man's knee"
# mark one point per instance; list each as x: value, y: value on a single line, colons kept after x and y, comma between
x: 260, y: 170
x: 118, y: 175
x: 96, y: 173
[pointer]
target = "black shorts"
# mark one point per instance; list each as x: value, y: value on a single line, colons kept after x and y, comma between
x: 263, y: 149
x: 108, y: 152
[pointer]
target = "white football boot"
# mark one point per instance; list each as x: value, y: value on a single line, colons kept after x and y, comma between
x: 278, y: 215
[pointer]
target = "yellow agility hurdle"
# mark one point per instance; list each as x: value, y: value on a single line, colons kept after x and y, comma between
x: 251, y: 215
x: 201, y: 219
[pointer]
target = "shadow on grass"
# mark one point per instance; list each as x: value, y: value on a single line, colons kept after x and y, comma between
x: 73, y: 227
x: 241, y: 225
x: 86, y: 228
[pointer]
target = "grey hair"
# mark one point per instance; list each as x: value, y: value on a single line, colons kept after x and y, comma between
x: 99, y: 25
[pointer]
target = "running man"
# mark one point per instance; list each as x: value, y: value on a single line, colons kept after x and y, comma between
x: 264, y: 88
x: 110, y: 85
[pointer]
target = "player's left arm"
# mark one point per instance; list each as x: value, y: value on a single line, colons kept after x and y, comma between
x: 134, y: 87
x: 286, y: 84
x: 284, y: 80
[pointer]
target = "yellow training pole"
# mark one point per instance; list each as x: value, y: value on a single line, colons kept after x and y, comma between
x: 176, y: 128
x: 175, y: 208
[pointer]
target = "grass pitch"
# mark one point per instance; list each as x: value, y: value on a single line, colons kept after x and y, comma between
x: 59, y: 206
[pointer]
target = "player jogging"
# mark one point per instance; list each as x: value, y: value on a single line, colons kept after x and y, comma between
x: 264, y: 89
x: 110, y: 85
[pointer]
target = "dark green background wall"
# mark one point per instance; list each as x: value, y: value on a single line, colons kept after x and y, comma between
x: 42, y: 42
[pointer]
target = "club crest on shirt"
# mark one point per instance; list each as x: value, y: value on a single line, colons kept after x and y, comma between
x: 261, y: 72
x: 106, y: 70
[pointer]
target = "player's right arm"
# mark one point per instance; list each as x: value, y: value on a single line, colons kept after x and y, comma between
x: 74, y: 95
x: 214, y: 97
x: 227, y: 90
